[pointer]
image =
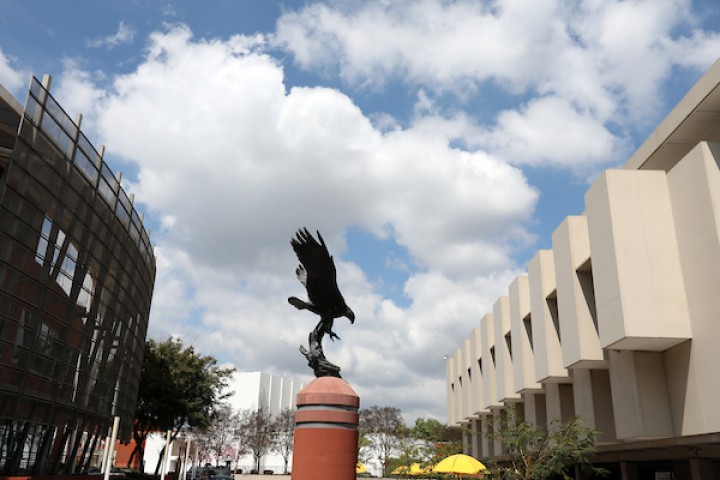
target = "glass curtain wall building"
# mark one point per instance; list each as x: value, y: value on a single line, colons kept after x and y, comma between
x: 76, y: 280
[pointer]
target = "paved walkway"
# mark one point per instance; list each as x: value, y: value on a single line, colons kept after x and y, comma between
x: 277, y: 477
x: 264, y: 477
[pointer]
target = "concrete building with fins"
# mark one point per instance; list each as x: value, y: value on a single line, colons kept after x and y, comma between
x: 619, y: 322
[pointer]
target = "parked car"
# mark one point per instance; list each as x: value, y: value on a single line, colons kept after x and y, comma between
x: 215, y: 473
x: 222, y: 476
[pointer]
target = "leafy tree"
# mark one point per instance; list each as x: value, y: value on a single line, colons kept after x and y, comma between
x: 154, y: 391
x: 284, y: 434
x: 535, y: 453
x: 256, y: 432
x: 428, y: 429
x: 410, y: 450
x: 440, y: 441
x: 383, y: 429
x: 178, y: 389
x: 450, y: 446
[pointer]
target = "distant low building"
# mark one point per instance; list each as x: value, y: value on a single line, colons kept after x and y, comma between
x: 255, y: 389
x: 275, y: 393
x: 250, y: 391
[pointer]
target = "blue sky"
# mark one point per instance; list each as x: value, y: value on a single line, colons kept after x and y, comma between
x: 435, y: 144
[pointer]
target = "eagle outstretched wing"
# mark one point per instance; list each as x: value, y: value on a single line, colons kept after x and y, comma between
x: 317, y: 272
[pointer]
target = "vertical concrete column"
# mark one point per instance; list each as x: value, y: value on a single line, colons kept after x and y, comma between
x: 521, y: 336
x: 560, y: 403
x: 486, y: 428
x: 487, y: 337
x: 467, y: 379
x: 702, y: 469
x: 534, y: 409
x: 326, y: 431
x: 576, y: 295
x: 593, y: 402
x: 479, y: 434
x: 452, y: 411
x: 639, y: 395
x: 475, y: 434
x: 628, y: 471
x: 506, y: 391
x: 477, y: 375
x: 498, y: 424
x: 544, y: 319
x: 459, y: 387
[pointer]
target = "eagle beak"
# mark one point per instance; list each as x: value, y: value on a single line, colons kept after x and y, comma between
x: 350, y: 315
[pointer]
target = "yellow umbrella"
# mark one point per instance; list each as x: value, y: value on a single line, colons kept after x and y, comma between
x: 414, y: 469
x: 360, y: 468
x: 401, y: 470
x: 459, y: 465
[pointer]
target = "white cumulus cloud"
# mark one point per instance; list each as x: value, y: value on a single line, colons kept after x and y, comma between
x: 125, y: 34
x: 602, y: 62
x: 11, y: 77
x: 232, y: 162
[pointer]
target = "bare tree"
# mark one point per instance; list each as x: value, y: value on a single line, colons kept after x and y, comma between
x: 255, y: 432
x: 219, y: 435
x: 383, y: 429
x: 238, y: 450
x: 284, y: 430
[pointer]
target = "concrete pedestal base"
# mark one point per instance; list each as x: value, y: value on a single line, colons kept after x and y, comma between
x: 326, y: 431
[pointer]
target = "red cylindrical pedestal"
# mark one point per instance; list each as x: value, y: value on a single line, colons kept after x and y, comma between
x: 326, y: 431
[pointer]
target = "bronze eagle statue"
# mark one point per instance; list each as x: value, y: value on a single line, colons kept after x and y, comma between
x: 317, y: 273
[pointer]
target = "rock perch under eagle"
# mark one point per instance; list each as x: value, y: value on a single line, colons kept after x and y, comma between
x: 317, y: 273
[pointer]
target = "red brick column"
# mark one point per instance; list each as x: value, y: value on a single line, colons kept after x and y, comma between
x: 326, y: 431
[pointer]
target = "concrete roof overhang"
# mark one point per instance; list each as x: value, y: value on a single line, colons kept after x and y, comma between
x: 694, y: 119
x: 678, y: 448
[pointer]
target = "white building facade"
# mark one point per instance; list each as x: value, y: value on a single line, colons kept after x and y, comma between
x: 619, y: 322
x: 253, y: 390
x: 249, y: 391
